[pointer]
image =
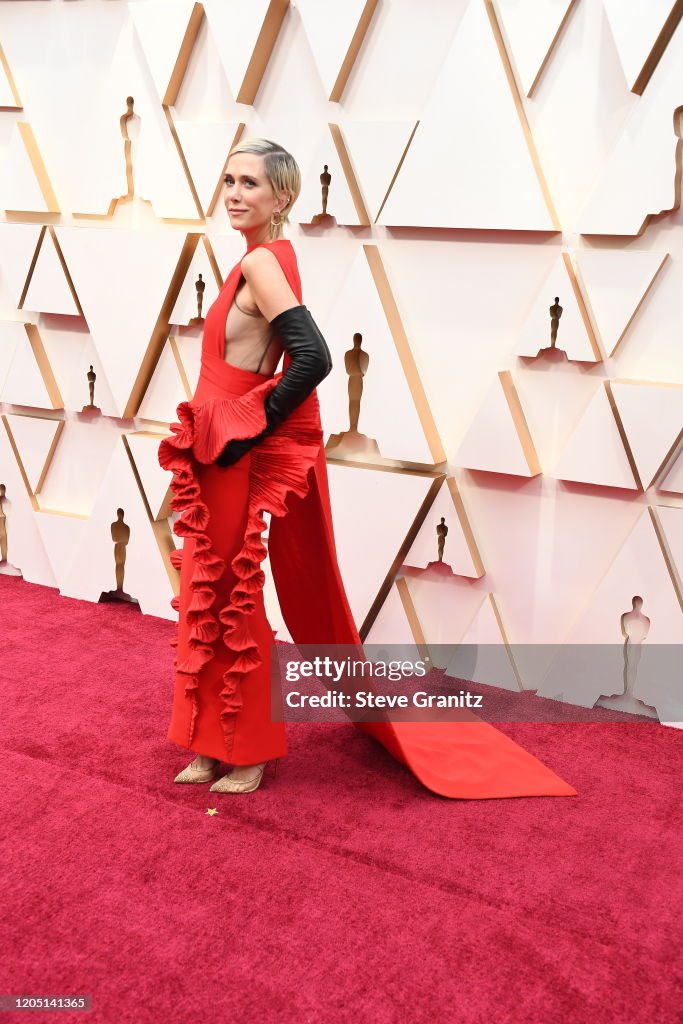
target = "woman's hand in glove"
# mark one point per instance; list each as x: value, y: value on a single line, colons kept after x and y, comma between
x: 310, y: 363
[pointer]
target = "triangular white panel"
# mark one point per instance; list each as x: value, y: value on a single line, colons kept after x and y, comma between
x: 635, y: 28
x: 24, y: 384
x: 395, y: 425
x: 61, y: 535
x: 12, y: 335
x: 20, y: 189
x: 367, y: 544
x: 188, y: 353
x: 639, y: 177
x: 553, y: 400
x: 25, y: 549
x: 457, y: 553
x: 470, y: 130
x: 18, y: 243
x: 672, y: 525
x: 492, y: 442
x: 205, y: 146
x: 186, y: 307
x: 93, y: 566
x: 391, y: 625
x: 445, y: 609
x: 8, y: 99
x: 70, y: 354
x: 330, y: 29
x: 49, y: 290
x: 165, y: 390
x: 161, y: 26
x: 235, y: 27
x: 340, y: 204
x: 573, y: 335
x: 138, y: 267
x: 375, y: 149
x: 595, y: 453
x: 652, y: 415
x: 615, y: 283
x: 531, y: 30
x: 673, y: 481
x: 639, y: 569
x: 482, y: 655
x: 78, y: 465
x: 155, y: 481
x: 33, y: 437
x: 228, y: 250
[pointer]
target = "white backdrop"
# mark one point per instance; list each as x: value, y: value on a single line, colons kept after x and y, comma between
x: 486, y: 156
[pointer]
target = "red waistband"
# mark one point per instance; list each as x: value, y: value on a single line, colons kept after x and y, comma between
x: 215, y: 374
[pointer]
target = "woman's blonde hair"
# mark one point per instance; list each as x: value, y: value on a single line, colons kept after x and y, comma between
x: 281, y: 170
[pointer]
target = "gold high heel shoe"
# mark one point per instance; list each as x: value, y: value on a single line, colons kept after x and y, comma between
x: 228, y: 785
x: 193, y: 774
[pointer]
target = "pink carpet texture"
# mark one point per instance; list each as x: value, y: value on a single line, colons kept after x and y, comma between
x: 340, y: 891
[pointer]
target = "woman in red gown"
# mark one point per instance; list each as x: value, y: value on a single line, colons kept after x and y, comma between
x: 250, y: 442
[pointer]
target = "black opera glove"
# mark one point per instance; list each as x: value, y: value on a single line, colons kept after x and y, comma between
x: 310, y: 364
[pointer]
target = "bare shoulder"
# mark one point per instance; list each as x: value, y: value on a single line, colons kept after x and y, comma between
x: 267, y: 282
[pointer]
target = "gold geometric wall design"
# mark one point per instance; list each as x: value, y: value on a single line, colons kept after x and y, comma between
x: 641, y: 33
x: 9, y: 97
x: 531, y: 32
x: 134, y: 277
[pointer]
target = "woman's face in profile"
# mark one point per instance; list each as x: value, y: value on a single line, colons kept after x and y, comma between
x: 247, y: 193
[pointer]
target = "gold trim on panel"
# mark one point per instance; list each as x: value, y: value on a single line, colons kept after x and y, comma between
x: 39, y: 170
x: 178, y: 73
x: 212, y: 257
x: 405, y: 354
x: 173, y: 344
x: 623, y: 435
x: 581, y: 303
x: 397, y: 171
x: 400, y: 555
x: 263, y: 49
x: 640, y: 303
x: 658, y: 48
x: 18, y: 105
x: 161, y: 328
x: 667, y: 554
x: 183, y: 162
x: 40, y: 356
x: 20, y: 464
x: 520, y: 423
x: 160, y: 528
x: 349, y: 174
x: 503, y: 633
x: 521, y: 112
x: 465, y: 526
x: 353, y: 50
x: 50, y: 455
x: 413, y: 619
x: 65, y: 268
x: 32, y: 267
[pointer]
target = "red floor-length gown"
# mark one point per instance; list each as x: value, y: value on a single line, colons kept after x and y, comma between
x: 221, y: 702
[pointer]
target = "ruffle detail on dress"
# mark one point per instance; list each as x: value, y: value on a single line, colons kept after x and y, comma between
x: 279, y: 466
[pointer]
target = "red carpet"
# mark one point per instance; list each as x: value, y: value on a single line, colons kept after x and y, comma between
x: 341, y: 891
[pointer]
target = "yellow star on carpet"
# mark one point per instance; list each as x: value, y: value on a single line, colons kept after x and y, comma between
x: 212, y: 810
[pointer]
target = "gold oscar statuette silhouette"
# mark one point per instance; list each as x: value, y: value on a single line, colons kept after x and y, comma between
x: 120, y: 534
x: 634, y: 628
x: 129, y: 124
x: 91, y: 408
x: 325, y: 182
x: 6, y: 568
x: 551, y: 351
x: 200, y: 285
x: 439, y: 567
x: 351, y: 441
